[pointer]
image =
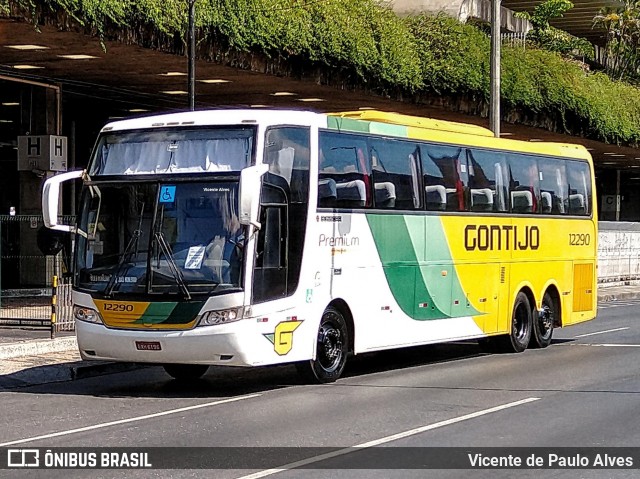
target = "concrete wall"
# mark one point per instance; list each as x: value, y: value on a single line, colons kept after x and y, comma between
x: 463, y: 10
x: 451, y: 7
x: 618, y: 253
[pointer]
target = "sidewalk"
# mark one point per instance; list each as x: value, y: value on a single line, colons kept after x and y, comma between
x: 29, y: 357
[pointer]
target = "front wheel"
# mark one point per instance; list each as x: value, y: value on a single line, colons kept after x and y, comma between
x: 331, y: 349
x: 186, y: 372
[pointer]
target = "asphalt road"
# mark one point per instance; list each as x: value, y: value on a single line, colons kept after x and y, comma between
x: 582, y: 391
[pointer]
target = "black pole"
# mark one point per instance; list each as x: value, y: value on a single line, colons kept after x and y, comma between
x: 192, y: 54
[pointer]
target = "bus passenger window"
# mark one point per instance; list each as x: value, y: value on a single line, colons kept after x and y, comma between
x: 344, y: 178
x: 445, y: 175
x: 488, y: 181
x: 524, y: 184
x: 554, y: 190
x: 395, y: 174
x: 579, y: 188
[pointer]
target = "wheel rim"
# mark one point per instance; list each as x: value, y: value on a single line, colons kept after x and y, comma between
x: 546, y: 320
x: 520, y: 321
x: 330, y: 345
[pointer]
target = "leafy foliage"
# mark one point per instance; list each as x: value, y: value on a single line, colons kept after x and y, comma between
x: 551, y: 38
x: 622, y: 54
x: 366, y: 42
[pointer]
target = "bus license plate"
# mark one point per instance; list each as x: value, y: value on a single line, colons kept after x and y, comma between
x: 148, y: 346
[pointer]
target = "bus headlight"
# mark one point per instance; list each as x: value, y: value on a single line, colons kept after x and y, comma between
x: 211, y: 318
x: 86, y: 314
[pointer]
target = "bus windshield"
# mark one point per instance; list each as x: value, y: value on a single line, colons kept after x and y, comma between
x: 160, y: 237
x: 195, y: 150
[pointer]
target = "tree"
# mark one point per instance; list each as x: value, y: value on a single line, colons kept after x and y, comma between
x: 551, y: 38
x: 621, y: 57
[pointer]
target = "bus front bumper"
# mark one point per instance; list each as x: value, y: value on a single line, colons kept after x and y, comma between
x: 233, y: 344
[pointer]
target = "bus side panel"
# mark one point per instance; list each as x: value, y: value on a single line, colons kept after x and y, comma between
x: 486, y: 295
x: 397, y: 296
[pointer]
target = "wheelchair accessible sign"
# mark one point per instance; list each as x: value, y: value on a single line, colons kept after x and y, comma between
x: 167, y: 194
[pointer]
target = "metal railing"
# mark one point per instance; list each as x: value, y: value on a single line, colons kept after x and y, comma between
x: 29, y: 280
x: 514, y: 39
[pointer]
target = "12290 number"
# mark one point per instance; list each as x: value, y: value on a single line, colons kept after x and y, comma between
x: 579, y: 239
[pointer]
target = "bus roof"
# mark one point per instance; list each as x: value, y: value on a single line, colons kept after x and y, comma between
x: 221, y: 117
x: 442, y: 131
x: 365, y: 121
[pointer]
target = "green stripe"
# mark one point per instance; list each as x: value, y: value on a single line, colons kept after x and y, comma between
x: 388, y: 129
x: 362, y: 126
x: 347, y: 124
x: 418, y: 266
x: 170, y: 313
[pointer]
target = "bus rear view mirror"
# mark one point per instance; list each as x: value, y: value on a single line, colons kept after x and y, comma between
x: 250, y: 194
x: 51, y: 198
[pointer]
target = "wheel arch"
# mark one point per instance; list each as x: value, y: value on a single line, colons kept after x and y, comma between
x: 528, y: 291
x: 342, y: 306
x: 553, y: 291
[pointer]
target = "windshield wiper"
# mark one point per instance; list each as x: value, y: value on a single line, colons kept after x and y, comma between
x: 173, y: 267
x: 127, y: 251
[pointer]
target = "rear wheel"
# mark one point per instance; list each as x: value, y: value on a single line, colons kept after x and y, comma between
x: 331, y: 349
x: 521, y: 329
x: 543, y: 322
x: 186, y: 372
x: 521, y: 325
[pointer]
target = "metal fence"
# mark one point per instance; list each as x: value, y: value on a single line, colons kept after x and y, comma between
x: 27, y: 289
x: 514, y: 39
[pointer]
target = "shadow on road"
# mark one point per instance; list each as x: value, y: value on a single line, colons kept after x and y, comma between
x: 152, y: 382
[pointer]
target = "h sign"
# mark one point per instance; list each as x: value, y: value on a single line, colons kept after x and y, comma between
x: 42, y: 152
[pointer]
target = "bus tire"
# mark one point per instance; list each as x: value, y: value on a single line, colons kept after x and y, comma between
x: 331, y: 349
x: 543, y: 322
x: 186, y: 372
x: 521, y: 330
x: 521, y: 325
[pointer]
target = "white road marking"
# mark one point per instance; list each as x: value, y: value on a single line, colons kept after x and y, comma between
x: 600, y: 332
x: 616, y: 304
x: 384, y: 440
x: 610, y: 345
x: 129, y: 420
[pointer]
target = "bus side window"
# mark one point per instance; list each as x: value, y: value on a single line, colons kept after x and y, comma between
x: 554, y: 190
x: 488, y: 181
x: 579, y: 188
x: 525, y: 184
x: 445, y: 176
x: 344, y: 178
x: 396, y: 174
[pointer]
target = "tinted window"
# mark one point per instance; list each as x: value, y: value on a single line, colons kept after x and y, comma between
x: 488, y: 180
x: 554, y: 190
x: 395, y: 174
x: 445, y: 177
x: 287, y: 153
x: 344, y: 171
x: 579, y: 188
x: 525, y: 184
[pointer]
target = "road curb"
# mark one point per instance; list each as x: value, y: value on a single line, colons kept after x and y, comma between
x: 37, y: 347
x: 618, y: 296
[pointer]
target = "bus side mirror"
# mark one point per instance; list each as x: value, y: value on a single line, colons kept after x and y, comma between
x: 51, y: 198
x: 250, y: 194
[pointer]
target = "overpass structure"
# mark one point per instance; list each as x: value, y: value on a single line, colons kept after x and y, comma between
x: 60, y: 81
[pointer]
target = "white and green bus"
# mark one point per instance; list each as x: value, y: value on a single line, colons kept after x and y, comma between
x: 261, y: 237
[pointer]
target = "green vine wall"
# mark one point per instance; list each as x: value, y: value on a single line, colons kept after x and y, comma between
x: 368, y: 43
